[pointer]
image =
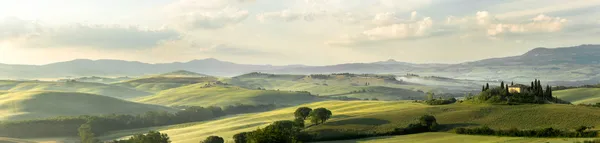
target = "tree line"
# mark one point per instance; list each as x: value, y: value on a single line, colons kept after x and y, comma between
x: 68, y: 126
x: 581, y: 131
x: 535, y: 94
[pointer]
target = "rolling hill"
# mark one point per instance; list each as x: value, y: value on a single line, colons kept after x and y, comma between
x: 44, y: 104
x: 203, y: 94
x: 579, y: 95
x: 83, y: 87
x: 383, y: 87
x: 380, y: 116
x: 165, y: 81
x: 438, y: 137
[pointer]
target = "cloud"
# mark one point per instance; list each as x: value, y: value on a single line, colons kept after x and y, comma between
x: 538, y: 24
x: 206, y: 14
x: 27, y: 34
x: 389, y: 31
x: 211, y: 20
x: 228, y: 49
x: 288, y: 15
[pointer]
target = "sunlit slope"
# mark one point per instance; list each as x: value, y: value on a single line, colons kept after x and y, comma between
x: 382, y: 116
x: 357, y: 86
x: 83, y: 87
x: 227, y: 127
x: 439, y: 137
x: 164, y: 82
x: 579, y: 95
x: 43, y: 104
x: 13, y: 140
x: 222, y: 95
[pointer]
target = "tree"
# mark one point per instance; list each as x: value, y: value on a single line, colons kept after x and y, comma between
x: 86, y: 134
x: 150, y: 137
x: 482, y: 88
x: 320, y: 115
x: 487, y: 86
x: 502, y: 84
x: 428, y: 121
x: 302, y: 113
x: 240, y: 137
x: 213, y: 139
x: 277, y: 132
x: 299, y: 122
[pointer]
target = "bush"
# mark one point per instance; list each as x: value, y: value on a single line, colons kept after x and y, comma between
x: 150, y: 137
x: 546, y: 132
x: 240, y: 137
x: 213, y: 139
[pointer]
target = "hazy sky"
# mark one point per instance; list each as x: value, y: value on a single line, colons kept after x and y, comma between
x: 312, y: 32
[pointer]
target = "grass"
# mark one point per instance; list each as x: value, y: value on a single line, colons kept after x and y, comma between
x: 384, y: 116
x: 159, y: 83
x: 83, y: 87
x: 43, y: 104
x: 219, y: 95
x: 438, y: 137
x: 337, y: 85
x: 579, y: 95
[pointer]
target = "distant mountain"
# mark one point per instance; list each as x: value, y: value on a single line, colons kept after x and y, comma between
x: 560, y: 64
x: 582, y: 55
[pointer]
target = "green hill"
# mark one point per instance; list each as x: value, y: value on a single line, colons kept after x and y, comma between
x: 223, y: 95
x: 382, y: 87
x: 579, y: 95
x: 159, y: 83
x: 437, y: 137
x: 382, y: 116
x: 44, y: 104
x: 83, y: 87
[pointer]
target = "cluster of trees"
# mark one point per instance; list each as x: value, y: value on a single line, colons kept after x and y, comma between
x: 431, y: 100
x: 68, y: 126
x: 150, y: 137
x: 320, y: 76
x: 546, y: 132
x: 425, y: 123
x: 535, y: 94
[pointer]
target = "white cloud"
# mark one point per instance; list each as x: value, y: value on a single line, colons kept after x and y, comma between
x: 206, y: 14
x: 396, y: 31
x: 538, y: 24
x: 28, y: 34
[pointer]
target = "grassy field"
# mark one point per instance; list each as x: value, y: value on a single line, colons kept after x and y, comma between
x: 83, y: 87
x: 163, y: 82
x: 222, y: 95
x: 579, y: 95
x: 440, y: 137
x: 43, y: 104
x: 336, y: 85
x: 382, y: 116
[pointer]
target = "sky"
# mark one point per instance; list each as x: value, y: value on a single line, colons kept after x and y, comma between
x: 281, y: 32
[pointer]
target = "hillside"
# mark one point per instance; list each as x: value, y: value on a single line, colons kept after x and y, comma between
x: 383, y: 87
x: 160, y: 82
x: 379, y: 116
x: 44, y: 104
x: 579, y: 95
x: 83, y: 87
x: 183, y: 73
x: 455, y: 138
x: 223, y: 95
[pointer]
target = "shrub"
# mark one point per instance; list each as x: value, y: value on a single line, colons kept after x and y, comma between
x: 213, y: 139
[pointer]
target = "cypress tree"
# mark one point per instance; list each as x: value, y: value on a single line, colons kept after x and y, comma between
x: 502, y: 84
x: 482, y: 88
x: 512, y: 83
x: 487, y: 86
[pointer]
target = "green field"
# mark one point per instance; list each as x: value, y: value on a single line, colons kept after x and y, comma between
x: 223, y: 95
x: 382, y: 116
x: 579, y: 95
x: 159, y: 83
x: 83, y: 87
x: 440, y: 137
x: 44, y: 104
x: 336, y: 85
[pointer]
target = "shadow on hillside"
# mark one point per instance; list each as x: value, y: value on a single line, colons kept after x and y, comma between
x: 340, y: 116
x: 448, y: 127
x: 359, y: 121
